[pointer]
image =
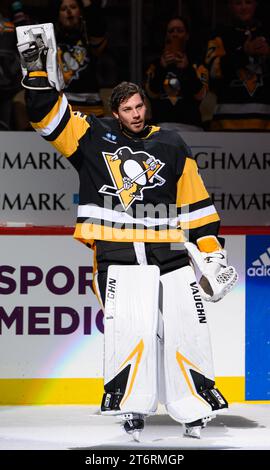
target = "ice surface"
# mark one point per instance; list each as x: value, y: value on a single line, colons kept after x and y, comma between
x: 242, y: 427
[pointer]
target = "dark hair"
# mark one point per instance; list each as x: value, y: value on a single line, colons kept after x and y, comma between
x: 56, y: 4
x: 123, y: 92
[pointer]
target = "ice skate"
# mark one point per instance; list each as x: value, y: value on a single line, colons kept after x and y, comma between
x: 133, y: 424
x: 194, y: 428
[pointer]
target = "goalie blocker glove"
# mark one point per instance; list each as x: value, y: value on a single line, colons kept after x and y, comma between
x: 217, y: 277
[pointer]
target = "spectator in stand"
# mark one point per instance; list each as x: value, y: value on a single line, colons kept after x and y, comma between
x: 80, y: 35
x: 20, y: 115
x: 238, y: 58
x: 175, y: 83
x: 10, y: 71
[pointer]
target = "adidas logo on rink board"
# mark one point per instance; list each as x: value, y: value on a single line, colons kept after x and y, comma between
x: 261, y: 267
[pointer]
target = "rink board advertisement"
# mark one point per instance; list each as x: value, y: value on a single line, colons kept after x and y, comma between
x: 38, y: 186
x: 257, y: 317
x: 51, y: 325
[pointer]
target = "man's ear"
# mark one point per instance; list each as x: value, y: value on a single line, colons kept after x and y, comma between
x: 116, y: 115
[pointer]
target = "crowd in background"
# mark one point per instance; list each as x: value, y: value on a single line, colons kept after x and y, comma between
x: 194, y: 79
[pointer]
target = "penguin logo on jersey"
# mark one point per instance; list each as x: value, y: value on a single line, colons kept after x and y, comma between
x: 131, y: 173
x: 251, y: 78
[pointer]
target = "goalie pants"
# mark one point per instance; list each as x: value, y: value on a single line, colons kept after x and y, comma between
x: 159, y: 351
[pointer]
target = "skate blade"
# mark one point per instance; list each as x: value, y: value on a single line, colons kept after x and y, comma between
x: 194, y: 432
x: 136, y: 436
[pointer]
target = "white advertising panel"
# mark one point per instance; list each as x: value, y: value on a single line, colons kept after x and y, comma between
x: 235, y: 168
x: 38, y: 186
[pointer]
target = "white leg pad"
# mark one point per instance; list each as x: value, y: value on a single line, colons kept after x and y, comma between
x: 160, y: 360
x: 187, y: 349
x: 130, y: 347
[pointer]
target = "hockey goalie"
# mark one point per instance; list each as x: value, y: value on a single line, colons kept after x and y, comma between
x: 147, y: 215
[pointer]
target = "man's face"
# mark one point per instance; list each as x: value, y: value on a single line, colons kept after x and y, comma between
x: 131, y: 113
x: 243, y: 10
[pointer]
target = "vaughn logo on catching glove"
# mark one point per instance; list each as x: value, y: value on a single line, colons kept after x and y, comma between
x: 217, y: 278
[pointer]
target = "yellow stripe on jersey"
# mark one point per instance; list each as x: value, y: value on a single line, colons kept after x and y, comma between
x: 152, y: 131
x: 67, y: 142
x: 200, y: 222
x: 87, y: 233
x: 52, y: 119
x: 190, y: 187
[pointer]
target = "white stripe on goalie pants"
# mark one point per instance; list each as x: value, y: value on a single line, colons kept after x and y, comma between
x: 139, y: 248
x: 187, y: 338
x: 130, y: 324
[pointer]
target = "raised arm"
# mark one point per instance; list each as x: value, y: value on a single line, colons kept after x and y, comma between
x: 49, y: 112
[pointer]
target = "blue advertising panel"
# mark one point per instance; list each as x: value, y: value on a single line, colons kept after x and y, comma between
x: 258, y: 317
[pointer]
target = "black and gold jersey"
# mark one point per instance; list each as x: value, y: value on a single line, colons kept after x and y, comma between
x: 133, y: 188
x: 78, y: 67
x: 175, y: 94
x: 240, y: 81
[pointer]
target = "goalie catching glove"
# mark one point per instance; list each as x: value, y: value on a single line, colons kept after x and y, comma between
x: 217, y: 277
x: 38, y: 53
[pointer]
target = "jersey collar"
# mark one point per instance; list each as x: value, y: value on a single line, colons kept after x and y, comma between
x: 146, y: 132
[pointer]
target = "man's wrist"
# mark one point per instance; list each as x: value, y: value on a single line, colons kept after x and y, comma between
x: 37, y: 80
